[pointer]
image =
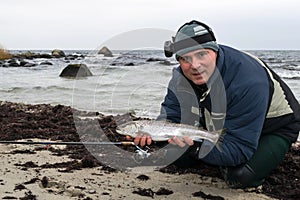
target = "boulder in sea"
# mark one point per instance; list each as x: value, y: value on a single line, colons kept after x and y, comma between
x: 105, y: 51
x: 129, y: 64
x: 167, y: 62
x: 45, y: 55
x: 3, y: 64
x: 29, y: 65
x: 154, y: 59
x: 13, y: 63
x: 46, y: 63
x: 76, y: 70
x: 26, y: 64
x: 28, y: 55
x: 58, y: 53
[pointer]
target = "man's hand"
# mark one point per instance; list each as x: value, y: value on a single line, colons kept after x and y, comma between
x: 181, y: 142
x: 141, y: 140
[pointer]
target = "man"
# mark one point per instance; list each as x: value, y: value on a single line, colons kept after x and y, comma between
x: 219, y: 87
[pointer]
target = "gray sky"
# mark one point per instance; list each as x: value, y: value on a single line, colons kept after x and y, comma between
x: 77, y: 24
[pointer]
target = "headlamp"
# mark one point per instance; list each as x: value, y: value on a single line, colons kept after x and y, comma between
x: 169, y: 48
x: 190, y: 34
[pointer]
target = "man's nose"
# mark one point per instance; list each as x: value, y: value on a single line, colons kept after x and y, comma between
x: 195, y: 62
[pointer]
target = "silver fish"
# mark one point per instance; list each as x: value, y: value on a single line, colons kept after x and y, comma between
x: 162, y: 131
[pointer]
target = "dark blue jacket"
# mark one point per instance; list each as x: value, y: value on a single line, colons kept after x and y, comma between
x: 243, y: 96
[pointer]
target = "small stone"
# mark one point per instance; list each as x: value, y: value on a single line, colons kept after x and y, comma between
x: 92, y: 191
x: 143, y: 177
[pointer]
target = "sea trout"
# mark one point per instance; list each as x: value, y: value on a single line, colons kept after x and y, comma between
x: 162, y: 131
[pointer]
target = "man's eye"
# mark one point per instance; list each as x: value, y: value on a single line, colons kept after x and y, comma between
x: 186, y: 59
x: 201, y: 54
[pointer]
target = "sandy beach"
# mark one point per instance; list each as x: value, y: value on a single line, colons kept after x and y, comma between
x: 70, y: 172
x: 20, y: 182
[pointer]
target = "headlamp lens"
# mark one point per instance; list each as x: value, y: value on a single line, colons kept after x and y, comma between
x: 168, y: 48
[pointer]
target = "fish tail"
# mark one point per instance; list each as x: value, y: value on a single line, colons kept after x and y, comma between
x: 221, y: 139
x: 222, y: 131
x: 219, y: 146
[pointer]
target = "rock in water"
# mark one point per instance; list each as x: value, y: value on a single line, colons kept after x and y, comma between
x: 105, y: 51
x: 76, y: 70
x: 58, y: 53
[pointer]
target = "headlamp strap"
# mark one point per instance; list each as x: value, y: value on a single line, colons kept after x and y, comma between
x: 193, y: 41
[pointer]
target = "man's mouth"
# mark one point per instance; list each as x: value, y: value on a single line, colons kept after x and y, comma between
x: 198, y: 73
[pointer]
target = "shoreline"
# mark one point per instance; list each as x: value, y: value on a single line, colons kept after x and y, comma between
x: 97, y: 183
x: 60, y: 172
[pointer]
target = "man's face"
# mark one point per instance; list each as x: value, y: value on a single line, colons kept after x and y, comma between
x: 198, y: 65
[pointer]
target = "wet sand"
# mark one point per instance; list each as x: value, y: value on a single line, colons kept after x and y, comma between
x: 21, y: 181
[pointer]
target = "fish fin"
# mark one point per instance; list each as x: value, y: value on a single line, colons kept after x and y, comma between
x: 205, y: 148
x: 208, y: 146
x: 219, y: 146
x: 222, y: 131
x: 220, y: 140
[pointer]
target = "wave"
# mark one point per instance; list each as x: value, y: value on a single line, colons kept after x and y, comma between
x: 291, y: 67
x: 52, y: 87
x: 20, y: 89
x: 12, y: 90
x: 288, y: 72
x: 291, y: 77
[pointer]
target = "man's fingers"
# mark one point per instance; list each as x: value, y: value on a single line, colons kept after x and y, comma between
x: 149, y: 140
x: 137, y: 140
x: 128, y: 137
x: 172, y: 142
x: 181, y: 142
x: 178, y: 141
x: 142, y: 140
x: 188, y: 141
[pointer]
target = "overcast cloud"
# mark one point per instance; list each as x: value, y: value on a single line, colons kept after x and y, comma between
x: 76, y: 24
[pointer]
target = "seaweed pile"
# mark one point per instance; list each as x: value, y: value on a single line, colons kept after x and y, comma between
x: 44, y: 121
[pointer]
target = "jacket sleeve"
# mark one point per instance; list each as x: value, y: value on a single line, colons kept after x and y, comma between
x: 246, y: 111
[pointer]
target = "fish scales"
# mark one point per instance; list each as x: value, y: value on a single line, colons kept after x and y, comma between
x: 162, y: 131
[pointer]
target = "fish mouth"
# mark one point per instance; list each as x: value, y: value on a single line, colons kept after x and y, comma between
x: 119, y: 130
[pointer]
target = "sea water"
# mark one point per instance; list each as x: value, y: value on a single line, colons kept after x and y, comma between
x: 126, y: 82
